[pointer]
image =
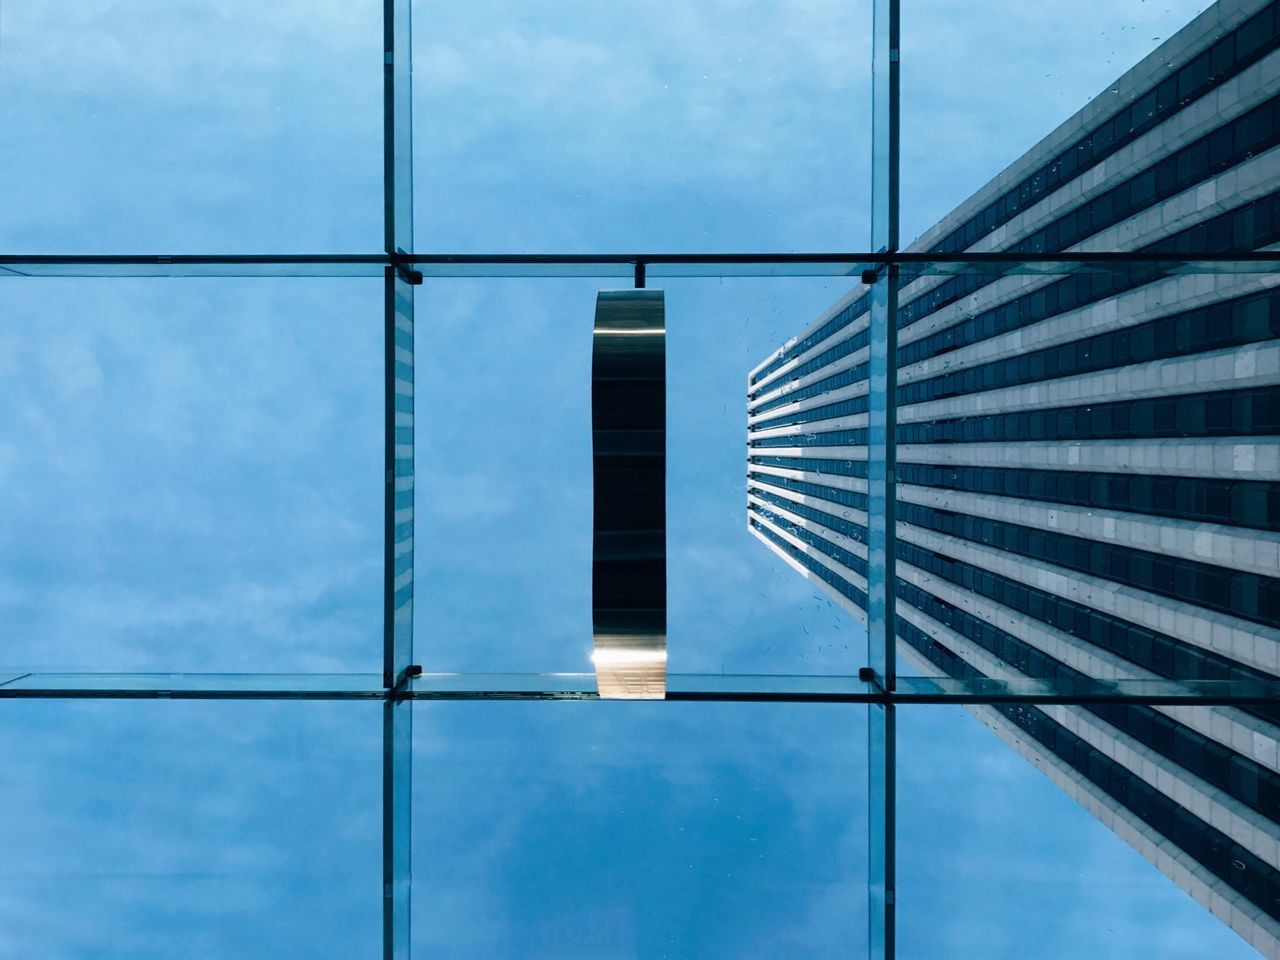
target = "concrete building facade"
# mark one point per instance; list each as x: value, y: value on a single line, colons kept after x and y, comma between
x: 1088, y: 464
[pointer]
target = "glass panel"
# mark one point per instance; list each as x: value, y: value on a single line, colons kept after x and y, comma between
x: 504, y: 489
x: 639, y: 829
x: 193, y: 475
x: 302, y: 686
x: 1110, y: 126
x: 1003, y: 859
x: 636, y: 125
x: 1086, y: 490
x: 209, y: 125
x: 1086, y: 479
x: 143, y: 830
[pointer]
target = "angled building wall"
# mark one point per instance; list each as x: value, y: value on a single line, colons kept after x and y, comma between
x: 1089, y: 466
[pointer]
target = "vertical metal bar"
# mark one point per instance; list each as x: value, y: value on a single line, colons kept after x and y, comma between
x: 397, y: 126
x: 397, y: 769
x: 397, y: 728
x: 397, y: 743
x: 884, y: 125
x: 881, y: 476
x: 398, y: 479
x: 882, y: 856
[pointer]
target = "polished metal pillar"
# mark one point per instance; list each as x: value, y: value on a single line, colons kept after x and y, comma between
x: 629, y: 452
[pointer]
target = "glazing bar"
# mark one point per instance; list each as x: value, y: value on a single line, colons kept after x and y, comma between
x: 623, y: 265
x: 881, y: 495
x: 735, y: 688
x: 398, y: 499
x: 397, y: 730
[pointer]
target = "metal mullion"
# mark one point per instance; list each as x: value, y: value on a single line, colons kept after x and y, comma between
x: 880, y: 665
x: 398, y: 496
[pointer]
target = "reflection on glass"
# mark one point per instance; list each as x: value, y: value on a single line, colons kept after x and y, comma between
x: 1087, y: 464
x: 634, y: 125
x: 201, y: 126
x: 639, y: 829
x: 996, y: 859
x: 192, y: 473
x: 147, y: 831
x: 505, y: 481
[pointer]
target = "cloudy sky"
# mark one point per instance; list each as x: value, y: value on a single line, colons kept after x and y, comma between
x: 192, y: 474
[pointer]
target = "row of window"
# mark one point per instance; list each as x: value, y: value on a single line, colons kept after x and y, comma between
x: 1249, y: 227
x: 1148, y: 649
x: 1230, y: 323
x: 1233, y: 144
x: 1237, y: 503
x: 840, y: 408
x: 1254, y: 412
x: 1232, y: 53
x: 1227, y: 859
x: 1234, y: 592
x: 855, y: 437
x: 840, y: 584
x: 842, y: 319
x: 839, y: 468
x: 1153, y: 651
x: 1208, y: 759
x: 1230, y: 144
x: 1224, y: 413
x: 842, y: 349
x: 837, y: 495
x: 845, y: 378
x: 1249, y: 319
x: 1222, y: 856
x: 1253, y: 225
x: 1256, y: 787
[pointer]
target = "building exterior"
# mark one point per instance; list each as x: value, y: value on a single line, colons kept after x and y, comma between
x: 1088, y: 465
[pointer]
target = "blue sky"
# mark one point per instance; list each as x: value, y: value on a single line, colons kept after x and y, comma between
x: 192, y: 469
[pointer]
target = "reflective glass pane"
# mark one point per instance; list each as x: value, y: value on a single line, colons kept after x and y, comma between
x: 1065, y: 854
x: 193, y: 474
x: 642, y: 124
x: 505, y: 482
x: 189, y: 829
x: 1088, y: 125
x: 197, y: 126
x: 620, y: 830
x: 1086, y: 477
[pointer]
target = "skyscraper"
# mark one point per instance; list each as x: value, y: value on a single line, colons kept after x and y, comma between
x: 1088, y: 478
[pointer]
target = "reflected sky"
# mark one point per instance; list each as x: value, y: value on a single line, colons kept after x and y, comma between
x: 193, y: 475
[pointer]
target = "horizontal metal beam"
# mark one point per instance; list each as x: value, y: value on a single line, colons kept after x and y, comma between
x: 687, y: 688
x: 656, y: 264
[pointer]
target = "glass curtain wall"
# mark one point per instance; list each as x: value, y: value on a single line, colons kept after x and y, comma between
x: 1000, y: 287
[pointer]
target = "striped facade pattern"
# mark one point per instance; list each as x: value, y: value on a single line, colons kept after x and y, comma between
x: 1088, y: 465
x: 398, y: 536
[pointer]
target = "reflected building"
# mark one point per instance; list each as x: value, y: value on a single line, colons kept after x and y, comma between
x: 1088, y: 465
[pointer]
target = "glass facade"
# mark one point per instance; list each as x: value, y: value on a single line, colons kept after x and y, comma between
x: 298, y: 567
x: 1084, y: 464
